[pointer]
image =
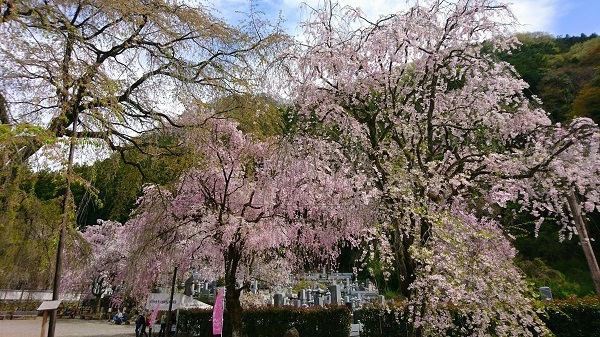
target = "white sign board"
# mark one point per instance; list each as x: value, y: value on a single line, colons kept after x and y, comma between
x: 49, y: 305
x: 180, y: 301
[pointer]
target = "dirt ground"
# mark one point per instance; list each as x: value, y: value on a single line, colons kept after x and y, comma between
x: 65, y: 328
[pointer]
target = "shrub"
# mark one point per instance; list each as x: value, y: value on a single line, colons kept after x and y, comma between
x: 572, y: 317
x: 270, y: 322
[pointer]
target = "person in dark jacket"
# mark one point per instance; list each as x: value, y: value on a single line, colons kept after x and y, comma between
x: 140, y: 322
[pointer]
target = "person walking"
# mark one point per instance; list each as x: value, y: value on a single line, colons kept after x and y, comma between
x: 173, y: 326
x: 140, y: 322
x: 163, y: 325
x: 145, y: 324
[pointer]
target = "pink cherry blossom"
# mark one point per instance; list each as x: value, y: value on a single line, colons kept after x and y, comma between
x: 450, y: 138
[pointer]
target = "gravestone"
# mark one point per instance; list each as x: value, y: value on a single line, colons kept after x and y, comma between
x: 278, y: 300
x: 336, y: 293
x: 302, y: 296
x: 319, y: 300
x: 309, y: 297
x: 188, y: 285
x: 546, y: 294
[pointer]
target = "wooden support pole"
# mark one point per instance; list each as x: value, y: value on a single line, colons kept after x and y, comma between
x: 168, y: 332
x: 62, y: 231
x: 585, y: 240
x: 44, y: 320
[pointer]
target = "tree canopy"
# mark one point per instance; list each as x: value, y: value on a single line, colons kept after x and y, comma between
x: 111, y: 74
x: 409, y: 135
x: 451, y: 139
x: 247, y: 209
x: 121, y: 69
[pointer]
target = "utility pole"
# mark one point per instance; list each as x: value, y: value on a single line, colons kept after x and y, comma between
x: 63, y: 226
x: 168, y: 332
x: 584, y: 240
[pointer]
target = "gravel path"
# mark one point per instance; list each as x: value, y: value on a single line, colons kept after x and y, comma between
x: 64, y: 328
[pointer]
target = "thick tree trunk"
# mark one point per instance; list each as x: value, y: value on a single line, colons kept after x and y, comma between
x: 232, y: 294
x: 98, y: 306
x: 4, y: 119
x: 404, y: 263
x: 234, y: 310
x: 405, y: 266
x: 584, y: 240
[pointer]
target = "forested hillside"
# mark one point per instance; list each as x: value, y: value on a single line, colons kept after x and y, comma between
x: 564, y: 73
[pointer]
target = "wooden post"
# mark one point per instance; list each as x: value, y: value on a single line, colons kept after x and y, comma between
x: 45, y: 318
x: 52, y: 307
x: 168, y: 332
x: 584, y: 240
x: 65, y: 222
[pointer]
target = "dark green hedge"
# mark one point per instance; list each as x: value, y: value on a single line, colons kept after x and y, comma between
x: 575, y: 317
x: 197, y: 323
x: 379, y: 322
x: 273, y: 322
x: 8, y: 306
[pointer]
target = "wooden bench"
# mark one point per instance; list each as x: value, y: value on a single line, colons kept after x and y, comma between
x: 24, y: 314
x: 68, y: 313
x: 86, y: 313
x: 2, y: 314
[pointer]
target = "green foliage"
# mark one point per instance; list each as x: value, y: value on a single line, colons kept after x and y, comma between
x: 587, y: 103
x: 541, y: 275
x: 561, y: 71
x: 393, y: 321
x: 546, y: 261
x: 573, y: 317
x: 197, y: 322
x: 566, y: 42
x: 116, y: 186
x: 380, y: 322
x: 557, y: 92
x: 8, y: 306
x: 531, y: 59
x: 330, y: 322
x: 30, y: 211
x: 109, y: 189
x: 383, y: 276
x: 257, y: 115
x: 267, y: 322
x: 306, y: 284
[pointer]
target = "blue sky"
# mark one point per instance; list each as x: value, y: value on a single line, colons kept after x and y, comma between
x: 557, y: 17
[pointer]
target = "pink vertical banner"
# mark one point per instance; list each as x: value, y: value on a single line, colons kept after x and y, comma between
x: 154, y: 314
x: 217, y: 318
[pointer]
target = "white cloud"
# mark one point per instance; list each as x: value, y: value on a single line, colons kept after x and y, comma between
x: 372, y: 8
x: 535, y: 15
x: 532, y: 15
